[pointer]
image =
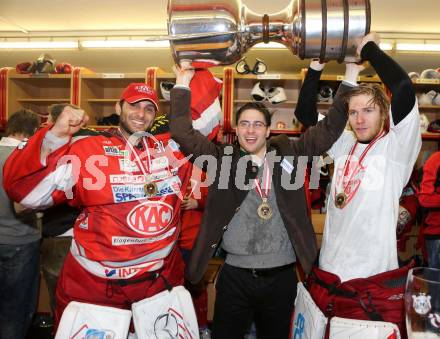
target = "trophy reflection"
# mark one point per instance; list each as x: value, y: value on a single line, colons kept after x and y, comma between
x: 422, y: 303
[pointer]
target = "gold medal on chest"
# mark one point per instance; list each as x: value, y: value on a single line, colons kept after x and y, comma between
x: 264, y: 211
x: 340, y: 200
x: 150, y: 189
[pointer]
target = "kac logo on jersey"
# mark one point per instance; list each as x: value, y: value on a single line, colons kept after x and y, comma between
x: 150, y: 218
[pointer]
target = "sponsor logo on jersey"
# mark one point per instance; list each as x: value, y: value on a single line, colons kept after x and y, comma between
x: 139, y: 178
x: 160, y: 175
x: 115, y: 151
x: 299, y: 326
x: 159, y: 163
x: 127, y: 241
x: 125, y: 193
x: 126, y: 165
x: 110, y: 273
x: 127, y: 179
x: 150, y: 218
x: 93, y: 333
x: 125, y: 272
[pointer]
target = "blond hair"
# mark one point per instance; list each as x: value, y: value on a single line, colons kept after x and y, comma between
x: 378, y: 98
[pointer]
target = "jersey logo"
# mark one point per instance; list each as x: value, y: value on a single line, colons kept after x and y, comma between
x: 150, y: 218
x: 126, y: 165
x: 115, y: 151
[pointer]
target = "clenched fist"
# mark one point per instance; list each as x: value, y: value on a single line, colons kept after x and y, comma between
x: 69, y: 122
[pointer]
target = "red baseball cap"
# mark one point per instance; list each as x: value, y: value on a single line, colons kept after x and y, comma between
x: 139, y: 91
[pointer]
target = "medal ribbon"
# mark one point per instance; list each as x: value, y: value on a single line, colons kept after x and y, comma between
x: 138, y: 160
x: 358, y: 167
x: 266, y: 182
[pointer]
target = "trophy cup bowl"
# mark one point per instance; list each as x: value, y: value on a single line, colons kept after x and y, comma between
x: 221, y: 31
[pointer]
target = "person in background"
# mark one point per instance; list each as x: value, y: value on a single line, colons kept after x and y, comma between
x: 263, y: 223
x: 19, y: 241
x: 429, y: 199
x: 373, y: 162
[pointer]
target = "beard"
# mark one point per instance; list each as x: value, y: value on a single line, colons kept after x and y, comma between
x: 127, y: 130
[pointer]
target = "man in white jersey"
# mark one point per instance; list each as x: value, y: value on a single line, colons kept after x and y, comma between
x: 373, y: 161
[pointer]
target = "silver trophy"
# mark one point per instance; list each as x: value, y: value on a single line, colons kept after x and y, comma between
x: 221, y: 31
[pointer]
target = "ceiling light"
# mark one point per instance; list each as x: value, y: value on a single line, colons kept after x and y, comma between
x: 418, y: 47
x: 38, y: 44
x: 124, y: 44
x: 386, y: 46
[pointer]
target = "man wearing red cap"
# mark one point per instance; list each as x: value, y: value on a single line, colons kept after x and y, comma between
x: 128, y: 185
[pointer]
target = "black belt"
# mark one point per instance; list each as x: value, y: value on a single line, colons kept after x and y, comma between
x: 265, y: 272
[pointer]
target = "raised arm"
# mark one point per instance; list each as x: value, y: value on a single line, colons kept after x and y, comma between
x: 306, y: 111
x: 319, y: 138
x: 393, y: 76
x: 191, y: 141
x: 37, y: 175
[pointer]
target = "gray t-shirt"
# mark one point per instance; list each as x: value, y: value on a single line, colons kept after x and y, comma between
x: 252, y: 242
x: 14, y: 229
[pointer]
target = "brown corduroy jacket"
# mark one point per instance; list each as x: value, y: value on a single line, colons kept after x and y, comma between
x: 226, y: 164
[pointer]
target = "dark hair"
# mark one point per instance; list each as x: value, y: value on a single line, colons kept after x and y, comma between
x: 56, y: 109
x: 24, y: 122
x: 260, y: 107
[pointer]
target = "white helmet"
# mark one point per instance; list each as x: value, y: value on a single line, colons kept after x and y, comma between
x: 325, y: 94
x: 426, y: 99
x: 424, y: 123
x: 276, y: 95
x: 430, y: 74
x: 258, y: 92
x: 436, y: 99
x: 414, y: 75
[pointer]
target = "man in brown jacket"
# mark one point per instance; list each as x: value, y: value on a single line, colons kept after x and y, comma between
x: 256, y: 209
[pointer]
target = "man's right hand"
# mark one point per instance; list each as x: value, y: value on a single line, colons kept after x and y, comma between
x: 184, y: 73
x: 69, y: 122
x: 317, y: 65
x: 352, y: 71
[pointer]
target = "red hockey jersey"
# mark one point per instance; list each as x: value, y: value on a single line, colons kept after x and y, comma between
x: 130, y: 197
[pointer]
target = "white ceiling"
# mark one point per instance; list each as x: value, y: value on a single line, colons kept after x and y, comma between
x: 61, y: 15
x: 397, y: 16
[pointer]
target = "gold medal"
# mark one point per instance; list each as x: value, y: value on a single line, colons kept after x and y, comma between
x: 340, y: 200
x: 264, y: 211
x: 150, y: 189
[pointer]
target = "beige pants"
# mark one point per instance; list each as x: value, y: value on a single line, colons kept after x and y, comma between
x: 53, y: 253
